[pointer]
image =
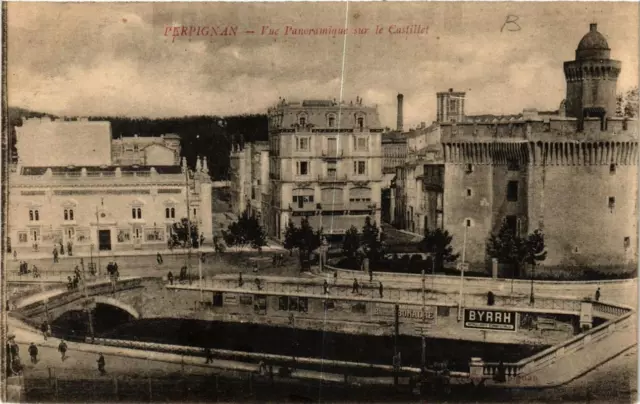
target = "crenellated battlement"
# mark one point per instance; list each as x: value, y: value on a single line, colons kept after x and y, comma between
x: 559, y: 129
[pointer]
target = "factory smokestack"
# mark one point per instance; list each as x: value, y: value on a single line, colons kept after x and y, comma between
x: 400, y: 118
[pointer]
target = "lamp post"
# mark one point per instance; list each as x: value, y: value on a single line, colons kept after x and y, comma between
x: 424, y: 321
x: 188, y: 258
x: 464, y: 247
x: 532, y: 299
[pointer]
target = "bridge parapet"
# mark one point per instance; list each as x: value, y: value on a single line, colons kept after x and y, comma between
x: 521, y: 371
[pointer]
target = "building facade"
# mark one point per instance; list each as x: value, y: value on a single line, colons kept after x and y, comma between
x: 325, y: 164
x: 105, y: 207
x: 572, y: 175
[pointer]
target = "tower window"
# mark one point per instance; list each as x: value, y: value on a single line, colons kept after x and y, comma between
x: 612, y: 202
x: 627, y: 242
x: 469, y: 192
x: 612, y: 169
x: 469, y: 168
x: 332, y: 121
x: 512, y: 191
x: 513, y: 165
x: 467, y: 222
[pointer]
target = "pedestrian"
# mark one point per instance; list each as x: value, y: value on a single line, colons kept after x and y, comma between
x: 255, y: 267
x: 61, y: 249
x: 62, y: 348
x: 201, y: 239
x: 101, y: 364
x: 335, y: 277
x: 370, y: 275
x: 55, y: 255
x: 170, y: 278
x: 381, y: 290
x: 76, y: 280
x: 208, y: 355
x: 598, y: 295
x: 356, y: 287
x: 159, y: 258
x: 282, y: 259
x: 258, y: 285
x: 36, y: 273
x: 82, y: 264
x: 69, y: 283
x: 240, y: 281
x: 48, y: 330
x: 326, y: 287
x: 43, y: 328
x: 76, y: 270
x: 33, y: 353
x: 15, y: 255
x: 262, y: 367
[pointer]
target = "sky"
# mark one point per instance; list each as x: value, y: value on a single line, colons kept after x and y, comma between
x: 122, y: 58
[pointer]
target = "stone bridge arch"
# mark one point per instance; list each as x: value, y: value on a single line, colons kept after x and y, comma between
x: 109, y: 301
x: 82, y: 303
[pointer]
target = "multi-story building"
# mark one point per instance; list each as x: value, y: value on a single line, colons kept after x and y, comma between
x: 69, y: 187
x: 394, y: 150
x: 146, y: 151
x: 325, y: 164
x: 572, y: 175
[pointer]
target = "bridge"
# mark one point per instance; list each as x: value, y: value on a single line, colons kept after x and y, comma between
x: 51, y: 304
x: 574, y: 355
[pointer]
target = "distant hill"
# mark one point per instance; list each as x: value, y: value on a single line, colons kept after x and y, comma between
x: 209, y: 136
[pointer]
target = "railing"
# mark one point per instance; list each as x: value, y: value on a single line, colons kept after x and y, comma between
x: 542, y: 359
x: 332, y: 153
x: 332, y: 178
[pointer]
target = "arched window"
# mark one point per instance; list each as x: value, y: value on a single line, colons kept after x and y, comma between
x: 37, y: 215
x: 167, y: 213
x: 133, y: 213
x: 70, y: 214
x: 31, y: 215
x: 173, y: 213
x: 139, y: 213
x: 361, y: 123
x: 66, y: 214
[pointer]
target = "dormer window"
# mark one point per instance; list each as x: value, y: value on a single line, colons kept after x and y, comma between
x: 302, y: 121
x: 361, y: 124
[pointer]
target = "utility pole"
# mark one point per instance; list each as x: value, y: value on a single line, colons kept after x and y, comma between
x: 396, y: 364
x: 464, y: 248
x: 86, y: 296
x: 532, y: 299
x: 188, y: 258
x: 98, y: 234
x: 424, y: 323
x: 200, y: 282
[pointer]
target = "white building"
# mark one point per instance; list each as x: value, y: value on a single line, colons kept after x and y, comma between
x: 73, y: 186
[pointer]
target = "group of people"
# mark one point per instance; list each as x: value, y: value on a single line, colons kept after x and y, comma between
x: 257, y: 282
x: 24, y: 269
x: 57, y: 252
x: 112, y: 270
x: 356, y: 287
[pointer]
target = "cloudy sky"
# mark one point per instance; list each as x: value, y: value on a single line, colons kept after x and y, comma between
x: 121, y: 59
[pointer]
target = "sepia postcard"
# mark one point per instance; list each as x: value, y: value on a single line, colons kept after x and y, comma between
x: 329, y: 202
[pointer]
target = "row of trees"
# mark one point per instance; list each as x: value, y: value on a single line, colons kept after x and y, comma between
x: 245, y: 232
x: 627, y: 104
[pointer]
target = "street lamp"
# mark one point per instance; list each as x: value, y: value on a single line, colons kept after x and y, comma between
x: 462, y: 266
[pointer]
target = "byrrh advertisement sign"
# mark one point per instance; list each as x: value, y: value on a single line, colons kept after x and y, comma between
x: 498, y: 320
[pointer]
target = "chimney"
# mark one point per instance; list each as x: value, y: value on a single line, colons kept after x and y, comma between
x: 400, y: 118
x: 593, y: 27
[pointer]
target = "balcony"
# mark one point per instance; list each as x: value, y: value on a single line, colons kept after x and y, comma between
x: 328, y: 178
x: 332, y: 154
x: 306, y: 207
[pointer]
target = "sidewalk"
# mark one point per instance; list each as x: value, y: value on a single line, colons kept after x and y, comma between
x: 46, y: 254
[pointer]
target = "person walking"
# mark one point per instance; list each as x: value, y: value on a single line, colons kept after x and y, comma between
x: 62, y: 348
x: 598, y: 295
x: 101, y: 364
x: 44, y: 328
x: 325, y: 286
x: 208, y: 356
x: 159, y: 259
x: 381, y: 290
x: 258, y: 284
x: 55, y: 255
x: 33, y: 353
x: 240, y: 280
x: 335, y: 277
x: 170, y: 278
x: 356, y: 287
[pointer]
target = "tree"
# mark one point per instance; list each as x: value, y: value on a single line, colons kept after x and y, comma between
x: 307, y: 240
x: 290, y: 237
x: 627, y: 104
x: 437, y: 242
x: 351, y: 243
x: 515, y: 251
x: 371, y: 239
x: 179, y: 233
x: 245, y: 231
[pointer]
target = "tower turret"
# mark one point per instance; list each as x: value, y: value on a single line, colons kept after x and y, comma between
x: 591, y: 79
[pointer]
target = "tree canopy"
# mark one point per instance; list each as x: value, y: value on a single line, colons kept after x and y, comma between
x: 246, y: 231
x: 179, y: 232
x: 437, y: 242
x: 511, y: 249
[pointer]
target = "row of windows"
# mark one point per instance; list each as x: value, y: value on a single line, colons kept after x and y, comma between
x: 331, y: 121
x: 360, y: 143
x: 68, y: 214
x: 359, y: 168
